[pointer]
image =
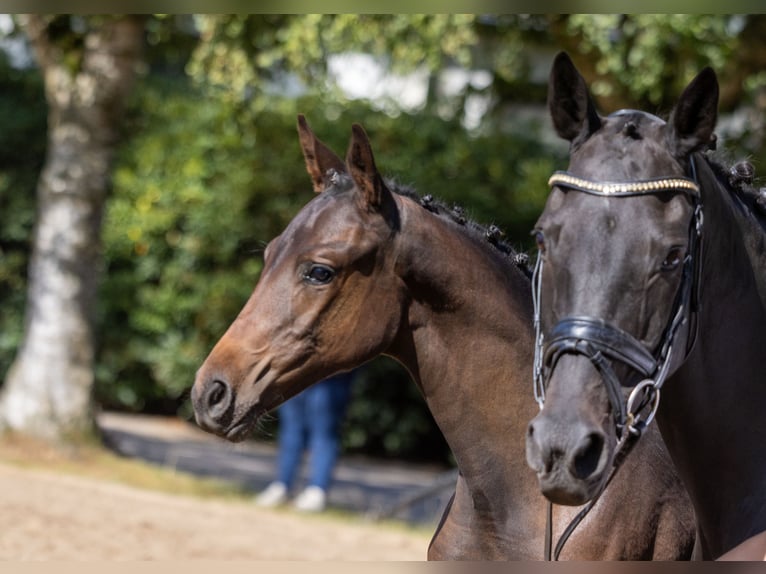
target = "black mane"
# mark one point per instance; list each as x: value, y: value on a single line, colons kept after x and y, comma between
x: 739, y: 180
x: 491, y: 234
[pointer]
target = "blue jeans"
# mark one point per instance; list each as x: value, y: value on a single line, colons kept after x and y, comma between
x: 312, y: 421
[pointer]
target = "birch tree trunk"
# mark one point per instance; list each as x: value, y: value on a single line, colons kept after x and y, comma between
x: 48, y: 389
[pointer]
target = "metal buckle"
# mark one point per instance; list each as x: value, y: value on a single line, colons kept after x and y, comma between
x: 632, y: 417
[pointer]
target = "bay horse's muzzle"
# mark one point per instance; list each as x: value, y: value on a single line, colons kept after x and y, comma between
x: 213, y: 402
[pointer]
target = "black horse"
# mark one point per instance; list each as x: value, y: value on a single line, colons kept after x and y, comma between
x: 651, y: 275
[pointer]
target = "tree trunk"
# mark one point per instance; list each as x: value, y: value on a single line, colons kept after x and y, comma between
x: 48, y: 389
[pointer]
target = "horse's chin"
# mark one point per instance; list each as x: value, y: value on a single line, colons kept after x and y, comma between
x: 238, y: 432
x: 568, y: 490
x: 265, y: 395
x: 243, y: 427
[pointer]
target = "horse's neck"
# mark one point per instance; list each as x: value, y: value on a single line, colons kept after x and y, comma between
x: 469, y: 347
x: 711, y: 410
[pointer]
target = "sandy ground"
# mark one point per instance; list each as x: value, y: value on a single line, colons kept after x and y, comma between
x: 47, y: 516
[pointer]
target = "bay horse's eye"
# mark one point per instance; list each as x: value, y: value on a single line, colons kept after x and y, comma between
x: 540, y: 240
x: 673, y: 259
x: 319, y: 274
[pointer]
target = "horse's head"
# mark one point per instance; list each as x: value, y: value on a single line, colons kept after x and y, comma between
x: 612, y: 262
x: 326, y: 301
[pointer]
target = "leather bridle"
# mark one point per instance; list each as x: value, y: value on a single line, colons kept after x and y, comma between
x: 603, y: 343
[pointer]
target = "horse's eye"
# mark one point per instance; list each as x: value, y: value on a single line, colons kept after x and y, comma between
x: 319, y: 274
x: 673, y: 259
x: 540, y: 240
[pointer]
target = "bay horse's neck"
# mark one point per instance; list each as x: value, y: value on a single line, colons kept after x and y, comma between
x: 711, y: 413
x: 470, y: 326
x: 468, y: 344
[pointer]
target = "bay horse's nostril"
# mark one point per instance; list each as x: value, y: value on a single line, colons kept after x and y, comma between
x: 217, y: 399
x: 588, y: 455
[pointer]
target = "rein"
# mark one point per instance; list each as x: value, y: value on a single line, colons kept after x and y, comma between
x: 603, y: 343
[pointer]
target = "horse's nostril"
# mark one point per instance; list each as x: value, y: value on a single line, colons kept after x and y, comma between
x: 588, y: 455
x: 216, y: 393
x: 218, y: 398
x: 554, y: 455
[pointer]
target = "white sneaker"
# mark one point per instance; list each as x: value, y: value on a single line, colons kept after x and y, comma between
x: 273, y: 495
x: 312, y: 499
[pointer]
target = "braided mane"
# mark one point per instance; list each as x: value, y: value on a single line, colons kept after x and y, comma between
x: 491, y: 234
x: 738, y: 179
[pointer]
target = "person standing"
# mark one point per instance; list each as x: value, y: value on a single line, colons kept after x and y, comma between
x: 309, y: 422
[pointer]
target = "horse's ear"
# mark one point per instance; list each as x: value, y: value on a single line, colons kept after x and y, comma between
x: 572, y: 110
x: 320, y: 159
x: 694, y: 117
x: 361, y: 166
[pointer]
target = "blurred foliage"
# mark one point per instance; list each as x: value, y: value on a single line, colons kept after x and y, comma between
x: 650, y: 58
x: 22, y: 151
x: 239, y: 52
x: 210, y: 169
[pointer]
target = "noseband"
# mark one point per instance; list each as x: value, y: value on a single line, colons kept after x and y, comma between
x: 603, y: 343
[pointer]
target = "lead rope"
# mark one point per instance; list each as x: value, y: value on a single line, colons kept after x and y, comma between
x: 548, y: 532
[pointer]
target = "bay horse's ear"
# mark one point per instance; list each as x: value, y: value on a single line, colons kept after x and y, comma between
x: 572, y: 110
x: 694, y: 117
x: 319, y: 158
x: 361, y: 167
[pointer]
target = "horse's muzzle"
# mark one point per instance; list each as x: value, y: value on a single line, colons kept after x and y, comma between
x: 570, y: 464
x: 213, y: 405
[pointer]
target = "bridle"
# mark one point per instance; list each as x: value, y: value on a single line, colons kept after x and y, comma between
x: 598, y: 340
x: 604, y: 344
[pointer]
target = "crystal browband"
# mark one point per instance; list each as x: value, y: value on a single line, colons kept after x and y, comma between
x: 642, y: 187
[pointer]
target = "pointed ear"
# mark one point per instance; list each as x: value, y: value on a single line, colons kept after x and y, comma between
x: 571, y: 107
x: 319, y: 158
x: 694, y: 117
x: 361, y: 167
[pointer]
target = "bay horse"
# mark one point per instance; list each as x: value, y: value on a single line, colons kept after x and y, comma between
x: 651, y: 278
x: 367, y: 267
